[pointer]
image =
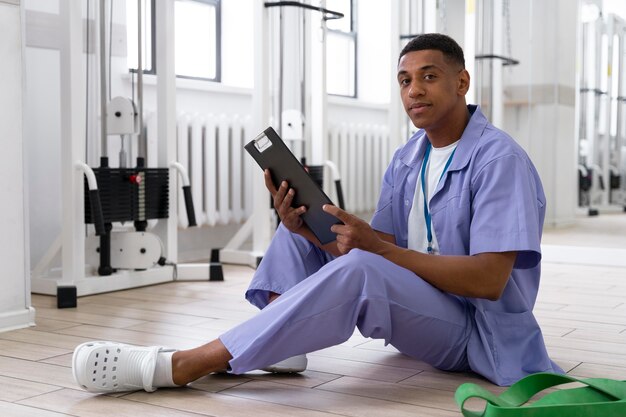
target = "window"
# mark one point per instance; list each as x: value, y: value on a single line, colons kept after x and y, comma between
x: 341, y: 50
x: 197, y: 42
x: 197, y: 39
x: 147, y: 23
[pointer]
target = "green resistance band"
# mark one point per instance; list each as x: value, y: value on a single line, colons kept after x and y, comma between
x: 599, y: 397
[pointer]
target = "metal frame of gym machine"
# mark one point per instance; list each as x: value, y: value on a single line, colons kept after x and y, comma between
x: 482, y: 53
x: 602, y: 117
x: 258, y: 228
x: 75, y: 281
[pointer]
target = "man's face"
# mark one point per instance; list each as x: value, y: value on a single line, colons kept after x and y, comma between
x: 431, y: 87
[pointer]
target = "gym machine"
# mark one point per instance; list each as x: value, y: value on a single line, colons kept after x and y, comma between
x: 486, y: 39
x: 290, y: 53
x: 602, y: 117
x: 146, y: 252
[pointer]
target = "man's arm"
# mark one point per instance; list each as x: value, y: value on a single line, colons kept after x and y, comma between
x: 482, y: 276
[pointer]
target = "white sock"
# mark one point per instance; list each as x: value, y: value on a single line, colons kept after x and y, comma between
x: 163, y: 370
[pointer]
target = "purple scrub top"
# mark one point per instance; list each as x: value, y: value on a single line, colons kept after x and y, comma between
x: 490, y: 200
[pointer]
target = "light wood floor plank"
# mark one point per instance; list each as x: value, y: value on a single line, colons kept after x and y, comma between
x: 362, y: 354
x: 37, y: 372
x: 331, y: 402
x: 131, y: 337
x: 61, y: 360
x: 105, y: 308
x: 47, y: 338
x: 307, y: 379
x: 222, y: 381
x: 222, y: 404
x: 586, y: 356
x: 202, y: 335
x: 17, y: 410
x: 50, y: 325
x: 77, y: 316
x: 594, y: 370
x: 29, y: 351
x: 359, y: 369
x: 400, y: 393
x: 598, y: 337
x: 578, y: 324
x: 448, y: 381
x: 83, y: 404
x: 15, y: 389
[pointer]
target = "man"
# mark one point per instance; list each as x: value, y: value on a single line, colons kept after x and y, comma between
x: 447, y: 272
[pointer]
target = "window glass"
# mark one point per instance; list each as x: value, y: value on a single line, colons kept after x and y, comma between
x: 196, y: 39
x: 340, y: 64
x: 341, y: 50
x: 131, y: 35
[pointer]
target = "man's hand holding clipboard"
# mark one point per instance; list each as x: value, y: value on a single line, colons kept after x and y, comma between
x: 297, y: 197
x: 290, y: 216
x: 302, y: 205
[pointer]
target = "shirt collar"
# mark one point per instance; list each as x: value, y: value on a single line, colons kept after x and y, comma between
x: 411, y: 155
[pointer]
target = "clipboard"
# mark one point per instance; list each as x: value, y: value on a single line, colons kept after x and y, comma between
x: 270, y: 152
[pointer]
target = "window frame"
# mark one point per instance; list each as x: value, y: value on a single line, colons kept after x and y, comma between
x: 218, y: 40
x: 352, y: 34
x: 218, y: 43
x: 152, y: 70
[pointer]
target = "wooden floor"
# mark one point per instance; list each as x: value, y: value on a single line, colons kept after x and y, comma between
x: 582, y: 310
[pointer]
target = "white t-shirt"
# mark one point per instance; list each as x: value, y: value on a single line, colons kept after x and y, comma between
x: 417, y: 236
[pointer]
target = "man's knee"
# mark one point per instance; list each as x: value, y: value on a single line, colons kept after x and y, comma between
x: 365, y: 263
x: 354, y: 271
x: 359, y: 257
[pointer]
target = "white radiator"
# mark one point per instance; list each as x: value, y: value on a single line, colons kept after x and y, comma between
x: 361, y: 151
x: 211, y: 148
x: 220, y: 171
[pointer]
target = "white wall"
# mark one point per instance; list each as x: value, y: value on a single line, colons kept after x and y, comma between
x: 15, y: 310
x: 540, y: 98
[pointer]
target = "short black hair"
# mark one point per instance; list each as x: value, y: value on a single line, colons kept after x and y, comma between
x: 437, y: 41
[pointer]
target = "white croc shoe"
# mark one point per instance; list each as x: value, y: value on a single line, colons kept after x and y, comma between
x: 104, y: 367
x: 292, y: 365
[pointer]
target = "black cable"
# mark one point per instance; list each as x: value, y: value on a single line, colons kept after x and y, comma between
x: 327, y: 14
x: 505, y: 59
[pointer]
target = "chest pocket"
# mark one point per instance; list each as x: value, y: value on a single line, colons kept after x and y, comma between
x: 452, y: 219
x: 402, y: 202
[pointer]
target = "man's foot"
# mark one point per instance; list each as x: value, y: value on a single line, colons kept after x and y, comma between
x: 291, y: 365
x: 104, y: 367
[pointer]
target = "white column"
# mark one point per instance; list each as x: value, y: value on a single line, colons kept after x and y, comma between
x: 15, y: 310
x: 469, y: 47
x: 605, y: 163
x: 546, y: 78
x: 497, y: 90
x: 166, y: 115
x: 72, y: 142
x: 429, y: 19
x: 396, y: 111
x: 261, y: 229
x: 317, y: 62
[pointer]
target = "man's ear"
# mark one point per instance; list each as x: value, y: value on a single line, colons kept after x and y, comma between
x: 463, y: 82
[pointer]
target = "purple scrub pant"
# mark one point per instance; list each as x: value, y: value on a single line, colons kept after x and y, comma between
x: 324, y: 298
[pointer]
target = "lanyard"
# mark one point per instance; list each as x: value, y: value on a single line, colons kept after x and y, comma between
x: 429, y: 233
